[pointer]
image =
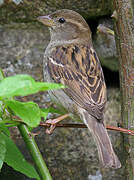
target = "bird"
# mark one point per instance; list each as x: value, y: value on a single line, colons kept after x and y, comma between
x: 71, y: 60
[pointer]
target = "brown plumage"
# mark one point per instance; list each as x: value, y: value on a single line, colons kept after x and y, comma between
x: 72, y: 61
x: 80, y: 70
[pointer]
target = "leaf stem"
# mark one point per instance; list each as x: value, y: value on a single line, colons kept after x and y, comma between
x: 35, y: 153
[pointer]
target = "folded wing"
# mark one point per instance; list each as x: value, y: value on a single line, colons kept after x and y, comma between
x: 78, y: 68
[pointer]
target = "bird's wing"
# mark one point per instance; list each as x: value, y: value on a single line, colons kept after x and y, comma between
x: 78, y: 68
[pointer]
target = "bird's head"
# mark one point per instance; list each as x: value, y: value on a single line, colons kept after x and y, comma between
x: 66, y: 25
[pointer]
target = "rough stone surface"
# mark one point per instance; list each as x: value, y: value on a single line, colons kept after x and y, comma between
x: 27, y: 11
x: 104, y: 44
x: 22, y: 47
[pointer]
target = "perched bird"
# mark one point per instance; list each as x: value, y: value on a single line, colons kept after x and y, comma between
x: 71, y: 60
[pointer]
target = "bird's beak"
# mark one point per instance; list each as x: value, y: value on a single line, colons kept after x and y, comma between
x: 46, y: 20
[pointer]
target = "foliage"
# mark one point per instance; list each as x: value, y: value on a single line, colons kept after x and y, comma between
x: 25, y: 112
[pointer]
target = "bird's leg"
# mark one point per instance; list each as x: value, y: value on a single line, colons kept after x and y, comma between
x: 53, y: 123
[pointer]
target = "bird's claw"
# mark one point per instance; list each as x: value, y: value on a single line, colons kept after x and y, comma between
x: 53, y: 123
x: 51, y: 129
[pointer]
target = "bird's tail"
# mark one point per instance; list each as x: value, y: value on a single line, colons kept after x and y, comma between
x: 106, y: 153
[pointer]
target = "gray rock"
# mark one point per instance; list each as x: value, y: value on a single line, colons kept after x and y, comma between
x: 98, y: 176
x: 105, y: 46
x: 22, y: 48
x: 27, y: 11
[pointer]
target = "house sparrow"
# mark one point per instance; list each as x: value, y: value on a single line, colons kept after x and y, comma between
x: 71, y: 60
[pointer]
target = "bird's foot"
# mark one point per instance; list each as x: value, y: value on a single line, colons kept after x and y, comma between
x: 53, y: 123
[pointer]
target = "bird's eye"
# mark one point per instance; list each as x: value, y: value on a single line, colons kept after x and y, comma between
x: 61, y: 20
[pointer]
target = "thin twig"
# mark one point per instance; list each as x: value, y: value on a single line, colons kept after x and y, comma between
x: 123, y: 130
x: 114, y: 128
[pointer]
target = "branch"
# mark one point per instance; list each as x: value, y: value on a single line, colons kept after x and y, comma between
x: 114, y: 128
x: 123, y: 26
x: 123, y: 130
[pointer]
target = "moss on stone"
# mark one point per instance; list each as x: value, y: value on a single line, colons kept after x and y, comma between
x: 27, y: 11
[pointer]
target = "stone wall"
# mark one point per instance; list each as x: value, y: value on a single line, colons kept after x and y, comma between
x: 70, y: 153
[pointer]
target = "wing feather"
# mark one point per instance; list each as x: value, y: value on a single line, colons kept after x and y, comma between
x: 78, y: 68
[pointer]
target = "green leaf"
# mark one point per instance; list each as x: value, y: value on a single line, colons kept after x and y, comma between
x: 22, y: 85
x: 1, y: 74
x: 29, y: 112
x: 2, y: 150
x: 4, y: 129
x: 53, y: 110
x: 1, y: 113
x: 15, y: 159
x: 45, y: 111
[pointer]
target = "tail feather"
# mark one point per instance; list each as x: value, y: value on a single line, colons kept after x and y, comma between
x: 106, y: 153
